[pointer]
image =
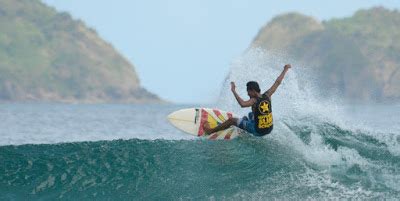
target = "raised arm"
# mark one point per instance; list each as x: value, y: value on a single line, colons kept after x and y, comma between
x: 241, y: 102
x: 278, y: 81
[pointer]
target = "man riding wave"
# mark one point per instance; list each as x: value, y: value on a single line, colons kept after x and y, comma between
x: 259, y: 122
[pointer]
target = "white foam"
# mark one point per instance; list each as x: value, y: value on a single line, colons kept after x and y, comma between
x: 297, y: 102
x: 311, y: 184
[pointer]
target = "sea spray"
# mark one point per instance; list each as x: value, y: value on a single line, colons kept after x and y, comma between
x: 295, y: 100
x: 318, y: 127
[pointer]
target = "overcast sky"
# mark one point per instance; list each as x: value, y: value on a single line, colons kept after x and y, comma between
x: 181, y: 49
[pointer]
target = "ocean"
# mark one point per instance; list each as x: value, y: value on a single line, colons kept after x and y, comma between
x: 108, y: 152
x: 321, y: 148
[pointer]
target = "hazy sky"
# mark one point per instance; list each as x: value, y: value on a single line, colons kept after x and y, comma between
x: 181, y: 49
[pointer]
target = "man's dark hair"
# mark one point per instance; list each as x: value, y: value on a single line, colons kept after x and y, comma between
x: 253, y: 85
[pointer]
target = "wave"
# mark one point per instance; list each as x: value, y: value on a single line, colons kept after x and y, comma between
x: 201, y: 169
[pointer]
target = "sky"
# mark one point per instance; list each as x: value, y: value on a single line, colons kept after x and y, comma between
x: 182, y: 49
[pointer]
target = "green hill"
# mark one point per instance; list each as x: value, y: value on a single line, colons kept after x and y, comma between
x: 359, y: 55
x: 47, y: 56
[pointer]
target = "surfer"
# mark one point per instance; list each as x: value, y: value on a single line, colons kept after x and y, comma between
x: 259, y: 122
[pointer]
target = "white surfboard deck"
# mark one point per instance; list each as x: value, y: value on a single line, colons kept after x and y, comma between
x: 191, y: 121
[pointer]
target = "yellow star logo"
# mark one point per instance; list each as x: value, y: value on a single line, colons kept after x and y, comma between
x: 264, y: 107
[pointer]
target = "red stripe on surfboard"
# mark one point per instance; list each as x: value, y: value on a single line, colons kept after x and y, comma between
x: 213, y: 136
x: 228, y: 136
x: 219, y: 115
x: 203, y: 119
x: 216, y: 112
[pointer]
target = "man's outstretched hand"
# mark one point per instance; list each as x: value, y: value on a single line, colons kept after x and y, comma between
x: 287, y: 66
x: 233, y: 86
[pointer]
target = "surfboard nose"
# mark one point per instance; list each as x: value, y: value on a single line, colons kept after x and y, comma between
x: 170, y: 115
x: 175, y: 115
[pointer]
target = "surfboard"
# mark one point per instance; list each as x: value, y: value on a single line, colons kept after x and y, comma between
x: 191, y: 121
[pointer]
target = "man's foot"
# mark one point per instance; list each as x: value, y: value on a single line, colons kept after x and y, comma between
x: 207, y: 129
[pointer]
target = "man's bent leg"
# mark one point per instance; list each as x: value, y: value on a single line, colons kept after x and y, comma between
x: 228, y: 123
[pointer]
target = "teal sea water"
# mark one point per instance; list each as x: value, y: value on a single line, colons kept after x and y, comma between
x: 150, y: 160
x: 321, y: 148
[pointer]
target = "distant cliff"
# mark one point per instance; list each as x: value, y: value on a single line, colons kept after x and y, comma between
x: 359, y: 55
x: 48, y: 56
